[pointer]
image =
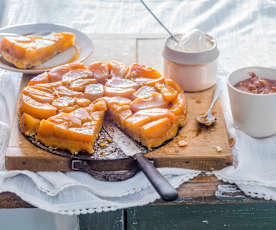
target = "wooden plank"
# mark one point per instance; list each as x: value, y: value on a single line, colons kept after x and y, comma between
x: 11, y: 200
x: 149, y: 52
x: 216, y: 216
x: 104, y: 221
x: 201, y: 190
x: 121, y: 49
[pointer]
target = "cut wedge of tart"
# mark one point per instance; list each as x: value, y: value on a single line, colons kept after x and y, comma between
x: 27, y: 51
x: 65, y: 107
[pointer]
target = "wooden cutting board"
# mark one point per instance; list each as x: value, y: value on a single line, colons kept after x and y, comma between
x: 202, y: 143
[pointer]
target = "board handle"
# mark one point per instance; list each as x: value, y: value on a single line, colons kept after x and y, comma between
x: 83, y: 165
x: 159, y: 182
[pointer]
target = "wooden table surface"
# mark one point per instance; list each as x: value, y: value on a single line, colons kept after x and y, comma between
x: 203, y: 196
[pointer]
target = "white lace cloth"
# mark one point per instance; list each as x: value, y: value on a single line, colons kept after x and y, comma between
x: 246, y: 34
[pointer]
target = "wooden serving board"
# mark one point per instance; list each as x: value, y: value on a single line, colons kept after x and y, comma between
x: 200, y: 153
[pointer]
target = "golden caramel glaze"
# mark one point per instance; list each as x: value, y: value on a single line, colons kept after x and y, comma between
x: 27, y: 51
x: 65, y: 107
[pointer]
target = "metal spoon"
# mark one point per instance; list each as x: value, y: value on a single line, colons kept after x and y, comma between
x: 207, y: 118
x: 158, y: 20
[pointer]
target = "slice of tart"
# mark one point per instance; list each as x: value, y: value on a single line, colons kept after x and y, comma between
x: 75, y: 131
x: 28, y: 51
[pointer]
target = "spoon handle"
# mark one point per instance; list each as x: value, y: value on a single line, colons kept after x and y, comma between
x: 216, y: 95
x: 158, y: 20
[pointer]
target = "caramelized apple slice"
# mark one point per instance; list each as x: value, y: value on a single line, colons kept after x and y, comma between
x: 63, y: 91
x: 47, y: 87
x: 117, y: 69
x: 79, y: 85
x: 116, y: 82
x: 173, y: 84
x: 156, y: 128
x: 100, y: 71
x: 64, y: 102
x: 117, y: 100
x: 99, y: 105
x: 57, y: 73
x: 119, y: 92
x: 94, y: 91
x: 154, y: 101
x: 38, y: 95
x: 141, y: 71
x: 41, y: 78
x: 69, y: 109
x: 36, y: 109
x: 179, y: 105
x: 144, y: 92
x: 28, y: 124
x: 82, y: 114
x: 122, y: 117
x: 168, y: 92
x: 66, y: 120
x: 75, y: 75
x: 156, y: 113
x: 83, y: 102
x: 148, y: 81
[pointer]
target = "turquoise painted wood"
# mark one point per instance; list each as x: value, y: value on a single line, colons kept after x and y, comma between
x: 203, y: 216
x: 103, y: 221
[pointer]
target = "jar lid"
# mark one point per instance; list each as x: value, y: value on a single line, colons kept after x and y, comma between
x: 191, y: 58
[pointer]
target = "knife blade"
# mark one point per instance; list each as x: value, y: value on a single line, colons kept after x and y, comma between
x: 129, y: 147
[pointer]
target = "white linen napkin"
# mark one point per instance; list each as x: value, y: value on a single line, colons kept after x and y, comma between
x: 79, y: 193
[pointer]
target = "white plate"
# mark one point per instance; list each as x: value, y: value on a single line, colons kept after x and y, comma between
x: 82, y: 42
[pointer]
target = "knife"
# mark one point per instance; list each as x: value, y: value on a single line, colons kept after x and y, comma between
x: 127, y: 145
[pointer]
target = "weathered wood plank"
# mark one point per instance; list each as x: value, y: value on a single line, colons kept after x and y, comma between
x: 122, y: 50
x: 10, y: 200
x: 201, y: 190
x: 103, y: 221
x: 216, y: 216
x: 149, y: 52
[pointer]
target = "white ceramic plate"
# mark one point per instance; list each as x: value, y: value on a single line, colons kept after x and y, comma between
x: 82, y: 43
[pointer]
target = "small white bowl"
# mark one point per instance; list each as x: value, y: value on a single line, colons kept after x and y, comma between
x: 255, y: 114
x: 193, y: 71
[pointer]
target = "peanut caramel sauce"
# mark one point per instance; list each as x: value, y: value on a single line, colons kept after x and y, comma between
x: 257, y: 85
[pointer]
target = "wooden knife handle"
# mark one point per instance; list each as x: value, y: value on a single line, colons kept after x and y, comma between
x: 159, y: 182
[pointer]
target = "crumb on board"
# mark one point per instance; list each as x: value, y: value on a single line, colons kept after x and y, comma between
x: 182, y: 143
x: 218, y: 148
x: 108, y: 139
x: 231, y: 141
x: 103, y: 145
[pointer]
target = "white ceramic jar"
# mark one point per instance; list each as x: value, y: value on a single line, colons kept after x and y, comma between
x: 193, y: 67
x: 253, y: 113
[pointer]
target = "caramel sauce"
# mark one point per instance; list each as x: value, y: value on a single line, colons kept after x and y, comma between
x: 257, y: 85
